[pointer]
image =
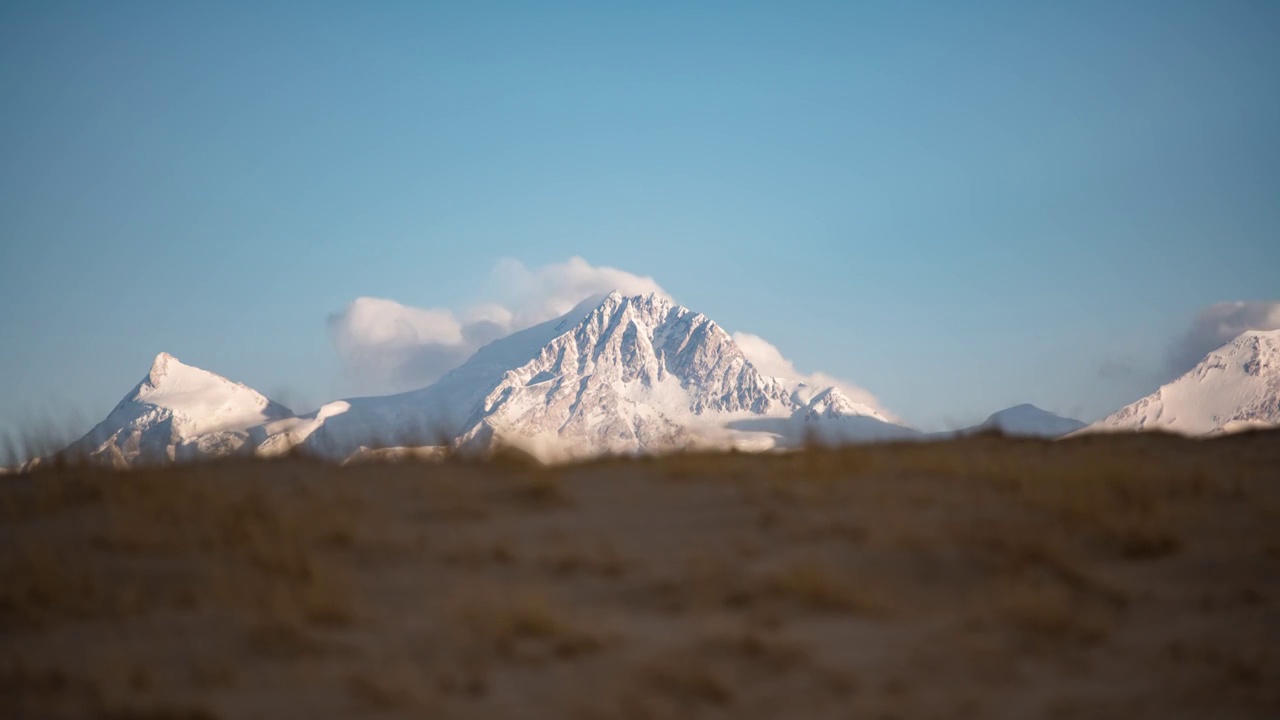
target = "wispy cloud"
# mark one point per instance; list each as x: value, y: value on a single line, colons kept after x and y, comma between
x: 552, y: 290
x: 1218, y: 324
x: 1121, y: 368
x: 769, y: 360
x: 387, y: 346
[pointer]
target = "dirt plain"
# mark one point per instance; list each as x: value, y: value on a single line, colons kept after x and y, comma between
x: 1131, y: 576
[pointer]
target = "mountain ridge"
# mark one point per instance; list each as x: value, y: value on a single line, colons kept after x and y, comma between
x: 625, y: 374
x: 616, y: 374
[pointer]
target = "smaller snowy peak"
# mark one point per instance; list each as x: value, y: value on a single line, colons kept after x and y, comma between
x: 201, y: 401
x: 168, y: 371
x: 1260, y: 352
x: 179, y: 412
x: 1235, y: 386
x: 160, y: 367
x: 1027, y: 420
x: 832, y: 402
x: 829, y: 403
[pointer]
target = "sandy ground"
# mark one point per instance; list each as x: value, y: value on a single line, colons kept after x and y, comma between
x: 1126, y: 577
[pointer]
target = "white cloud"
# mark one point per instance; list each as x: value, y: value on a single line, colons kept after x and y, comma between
x: 488, y: 312
x: 388, y: 347
x: 1217, y: 325
x: 769, y: 360
x: 553, y: 290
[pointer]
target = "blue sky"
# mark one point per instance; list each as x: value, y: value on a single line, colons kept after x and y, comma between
x: 959, y: 206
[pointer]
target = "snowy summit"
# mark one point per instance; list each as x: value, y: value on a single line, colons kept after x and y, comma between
x: 179, y: 412
x: 1236, y: 387
x: 617, y: 374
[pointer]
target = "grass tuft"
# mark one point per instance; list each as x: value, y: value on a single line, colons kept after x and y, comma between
x: 524, y: 623
x: 819, y: 586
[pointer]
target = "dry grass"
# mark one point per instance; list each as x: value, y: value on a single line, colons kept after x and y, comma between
x: 1048, y: 611
x: 1123, y: 577
x: 261, y: 547
x: 157, y: 712
x: 703, y: 582
x: 41, y: 586
x: 390, y: 686
x: 525, y: 623
x: 542, y: 487
x: 769, y: 653
x: 690, y: 680
x: 819, y: 586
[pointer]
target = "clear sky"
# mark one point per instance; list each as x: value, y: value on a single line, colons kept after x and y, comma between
x: 958, y: 205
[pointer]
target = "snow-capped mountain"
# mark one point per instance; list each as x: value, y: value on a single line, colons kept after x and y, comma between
x: 180, y: 412
x: 1234, y: 387
x: 616, y: 374
x: 1026, y: 420
x: 636, y: 373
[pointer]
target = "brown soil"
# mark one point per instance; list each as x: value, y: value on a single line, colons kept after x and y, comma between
x: 1126, y: 577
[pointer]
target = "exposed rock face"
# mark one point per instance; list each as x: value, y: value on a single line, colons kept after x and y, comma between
x: 634, y: 375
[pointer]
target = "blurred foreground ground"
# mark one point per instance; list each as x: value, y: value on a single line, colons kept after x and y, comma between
x: 1128, y: 576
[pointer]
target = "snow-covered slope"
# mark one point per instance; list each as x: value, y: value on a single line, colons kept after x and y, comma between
x: 1026, y: 421
x: 1234, y: 387
x: 179, y: 412
x: 615, y: 375
x: 436, y: 414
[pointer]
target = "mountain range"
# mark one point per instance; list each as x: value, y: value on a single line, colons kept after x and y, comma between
x: 615, y: 375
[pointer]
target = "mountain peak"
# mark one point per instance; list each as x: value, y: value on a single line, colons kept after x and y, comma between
x: 1026, y: 419
x: 1267, y: 334
x: 1234, y: 386
x: 619, y: 373
x: 829, y: 403
x: 160, y: 367
x: 1020, y: 410
x: 616, y: 374
x: 178, y: 412
x: 615, y: 300
x: 169, y: 374
x: 1021, y: 407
